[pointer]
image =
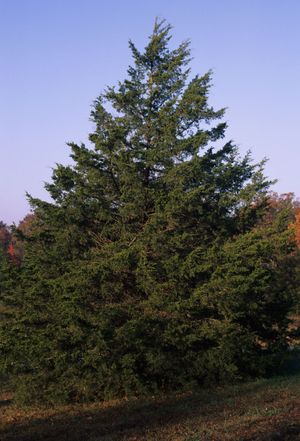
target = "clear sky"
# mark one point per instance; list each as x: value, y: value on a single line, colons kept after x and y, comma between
x: 56, y: 56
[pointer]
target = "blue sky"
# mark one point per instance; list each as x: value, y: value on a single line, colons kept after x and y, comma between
x: 57, y: 56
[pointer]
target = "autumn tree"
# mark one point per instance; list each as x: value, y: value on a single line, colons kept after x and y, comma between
x: 8, y: 275
x: 5, y: 236
x: 19, y: 235
x: 5, y: 240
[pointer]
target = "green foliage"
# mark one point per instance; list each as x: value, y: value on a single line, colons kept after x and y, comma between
x: 150, y: 270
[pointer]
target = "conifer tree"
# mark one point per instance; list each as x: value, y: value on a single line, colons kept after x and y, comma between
x: 149, y: 269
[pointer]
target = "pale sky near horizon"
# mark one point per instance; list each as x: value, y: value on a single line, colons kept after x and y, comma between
x: 58, y: 55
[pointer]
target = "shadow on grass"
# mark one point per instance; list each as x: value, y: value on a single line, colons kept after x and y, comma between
x: 111, y: 423
x: 135, y: 418
x: 5, y: 403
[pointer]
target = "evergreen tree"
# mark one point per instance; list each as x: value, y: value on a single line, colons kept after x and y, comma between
x: 149, y: 270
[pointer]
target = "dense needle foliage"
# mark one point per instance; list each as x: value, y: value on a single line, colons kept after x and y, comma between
x: 152, y: 268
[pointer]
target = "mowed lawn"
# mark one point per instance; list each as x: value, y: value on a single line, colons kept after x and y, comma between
x: 262, y: 410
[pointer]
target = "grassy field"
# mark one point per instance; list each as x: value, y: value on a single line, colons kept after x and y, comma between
x: 262, y: 410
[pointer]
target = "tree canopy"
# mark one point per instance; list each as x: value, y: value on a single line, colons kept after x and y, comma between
x: 152, y: 267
